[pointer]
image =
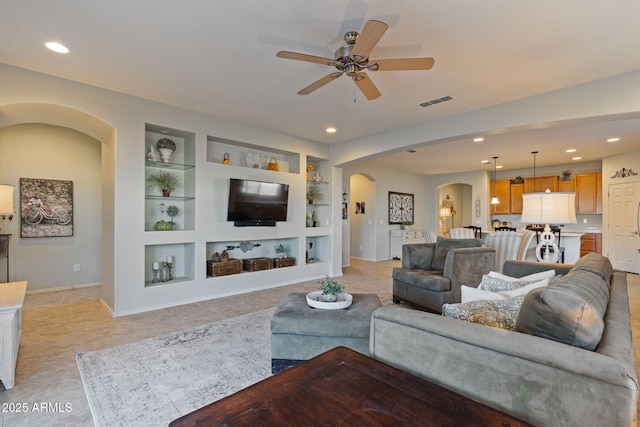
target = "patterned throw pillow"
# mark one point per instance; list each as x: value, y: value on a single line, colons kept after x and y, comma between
x: 497, y: 313
x: 494, y: 284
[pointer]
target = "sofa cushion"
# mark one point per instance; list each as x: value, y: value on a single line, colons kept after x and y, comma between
x: 597, y: 264
x: 497, y: 313
x: 444, y: 245
x: 570, y: 311
x: 431, y: 280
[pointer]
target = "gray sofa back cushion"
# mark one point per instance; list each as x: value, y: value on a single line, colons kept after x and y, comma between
x: 444, y: 245
x: 572, y: 310
x: 597, y: 264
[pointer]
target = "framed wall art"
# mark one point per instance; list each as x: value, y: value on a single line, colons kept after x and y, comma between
x: 46, y: 208
x: 400, y: 207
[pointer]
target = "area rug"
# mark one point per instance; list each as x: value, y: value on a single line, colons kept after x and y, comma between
x: 154, y: 381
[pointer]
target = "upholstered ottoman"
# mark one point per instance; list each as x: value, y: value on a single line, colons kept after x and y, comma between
x: 300, y: 332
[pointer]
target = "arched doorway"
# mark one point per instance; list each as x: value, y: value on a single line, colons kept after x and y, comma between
x: 457, y: 198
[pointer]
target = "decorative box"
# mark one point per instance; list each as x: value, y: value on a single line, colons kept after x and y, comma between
x: 257, y: 264
x: 283, y: 262
x: 233, y: 266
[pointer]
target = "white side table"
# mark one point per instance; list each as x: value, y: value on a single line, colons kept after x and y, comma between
x: 11, y: 300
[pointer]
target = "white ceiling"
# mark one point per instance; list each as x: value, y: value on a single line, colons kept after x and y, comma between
x: 218, y: 57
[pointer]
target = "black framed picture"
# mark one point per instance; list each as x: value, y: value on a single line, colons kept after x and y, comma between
x: 400, y: 207
x: 46, y: 208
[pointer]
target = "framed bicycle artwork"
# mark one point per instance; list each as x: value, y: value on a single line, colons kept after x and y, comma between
x: 46, y: 208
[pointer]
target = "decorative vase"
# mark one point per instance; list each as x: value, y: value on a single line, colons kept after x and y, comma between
x: 166, y: 193
x: 330, y: 297
x: 165, y: 154
x: 164, y: 226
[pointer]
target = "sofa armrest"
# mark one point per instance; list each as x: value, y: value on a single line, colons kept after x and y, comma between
x: 538, y: 380
x: 515, y: 268
x: 465, y: 266
x: 418, y: 255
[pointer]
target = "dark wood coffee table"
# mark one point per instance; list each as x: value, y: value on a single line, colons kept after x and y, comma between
x: 344, y: 388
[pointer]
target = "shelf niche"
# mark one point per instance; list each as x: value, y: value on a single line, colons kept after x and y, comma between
x: 288, y: 162
x: 182, y: 164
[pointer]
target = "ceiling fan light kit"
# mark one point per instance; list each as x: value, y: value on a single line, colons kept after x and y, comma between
x: 353, y: 58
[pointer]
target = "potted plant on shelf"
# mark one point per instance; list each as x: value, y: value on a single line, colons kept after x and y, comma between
x: 407, y: 225
x: 172, y: 211
x: 164, y: 181
x: 280, y: 250
x: 331, y: 289
x: 313, y: 194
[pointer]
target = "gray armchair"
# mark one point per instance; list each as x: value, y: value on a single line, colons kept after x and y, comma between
x: 432, y: 274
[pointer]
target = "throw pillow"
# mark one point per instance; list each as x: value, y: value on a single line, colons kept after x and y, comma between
x: 494, y: 284
x: 469, y: 294
x: 548, y: 274
x: 444, y: 245
x: 571, y: 312
x: 497, y: 313
x: 473, y: 294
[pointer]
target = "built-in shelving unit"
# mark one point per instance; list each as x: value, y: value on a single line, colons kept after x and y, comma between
x: 159, y: 244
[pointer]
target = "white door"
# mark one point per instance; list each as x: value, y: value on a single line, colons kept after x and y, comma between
x: 623, y: 242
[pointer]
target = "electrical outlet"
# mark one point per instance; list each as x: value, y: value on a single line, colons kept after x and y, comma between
x: 76, y: 267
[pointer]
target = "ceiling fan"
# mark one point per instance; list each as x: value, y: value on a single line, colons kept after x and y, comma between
x: 353, y: 58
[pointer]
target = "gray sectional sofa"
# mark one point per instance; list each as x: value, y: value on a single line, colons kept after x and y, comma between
x: 544, y: 372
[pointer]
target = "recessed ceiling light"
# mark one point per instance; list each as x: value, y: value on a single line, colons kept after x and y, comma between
x: 57, y: 47
x: 479, y: 139
x: 571, y: 150
x: 331, y: 130
x: 576, y: 158
x: 485, y: 162
x: 613, y: 139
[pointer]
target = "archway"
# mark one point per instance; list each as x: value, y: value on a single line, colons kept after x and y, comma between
x: 97, y: 129
x: 362, y: 211
x: 457, y: 198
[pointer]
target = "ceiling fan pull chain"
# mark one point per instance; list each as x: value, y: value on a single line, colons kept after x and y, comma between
x: 354, y: 92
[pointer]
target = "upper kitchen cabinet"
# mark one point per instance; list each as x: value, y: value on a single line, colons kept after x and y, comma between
x: 588, y: 187
x: 540, y: 184
x: 502, y: 190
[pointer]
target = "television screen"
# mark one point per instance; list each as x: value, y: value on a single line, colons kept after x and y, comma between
x: 256, y: 202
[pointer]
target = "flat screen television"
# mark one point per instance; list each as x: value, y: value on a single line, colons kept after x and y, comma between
x: 256, y: 203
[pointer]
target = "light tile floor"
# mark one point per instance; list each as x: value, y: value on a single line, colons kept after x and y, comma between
x: 57, y: 325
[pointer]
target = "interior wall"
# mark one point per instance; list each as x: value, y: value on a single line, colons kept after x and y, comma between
x: 386, y: 180
x: 362, y: 209
x: 52, y: 152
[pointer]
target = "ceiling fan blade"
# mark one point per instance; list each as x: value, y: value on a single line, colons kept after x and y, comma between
x: 366, y: 86
x: 303, y: 57
x: 404, y: 64
x: 317, y: 85
x: 368, y: 38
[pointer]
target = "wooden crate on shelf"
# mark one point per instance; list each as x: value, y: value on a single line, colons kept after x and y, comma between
x: 257, y: 264
x: 233, y: 266
x: 283, y: 262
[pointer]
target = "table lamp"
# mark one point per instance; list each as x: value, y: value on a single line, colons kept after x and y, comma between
x: 548, y: 208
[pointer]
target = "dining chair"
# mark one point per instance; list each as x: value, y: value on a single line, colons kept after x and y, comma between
x: 461, y: 233
x: 504, y: 228
x: 506, y: 244
x: 527, y: 238
x: 477, y: 231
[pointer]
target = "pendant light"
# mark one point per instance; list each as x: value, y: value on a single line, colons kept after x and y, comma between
x: 494, y: 199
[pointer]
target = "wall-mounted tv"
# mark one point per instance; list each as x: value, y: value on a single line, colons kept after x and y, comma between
x: 255, y: 203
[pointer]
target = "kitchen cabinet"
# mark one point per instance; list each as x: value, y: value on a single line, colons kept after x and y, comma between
x: 588, y: 187
x: 590, y: 243
x: 565, y: 186
x: 502, y: 190
x: 516, y: 198
x: 540, y: 184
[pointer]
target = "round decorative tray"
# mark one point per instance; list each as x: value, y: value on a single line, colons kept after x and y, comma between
x: 315, y: 300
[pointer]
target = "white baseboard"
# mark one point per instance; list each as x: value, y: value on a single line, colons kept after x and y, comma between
x: 63, y: 288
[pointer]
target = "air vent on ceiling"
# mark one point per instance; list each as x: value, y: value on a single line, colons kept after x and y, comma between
x: 436, y: 101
